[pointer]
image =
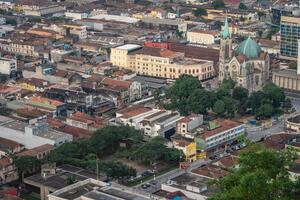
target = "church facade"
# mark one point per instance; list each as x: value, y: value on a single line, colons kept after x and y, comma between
x: 247, y: 65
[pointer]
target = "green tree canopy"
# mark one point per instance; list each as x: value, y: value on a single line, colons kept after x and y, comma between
x: 117, y: 170
x: 180, y: 92
x: 217, y: 4
x: 198, y: 12
x: 219, y: 107
x: 274, y: 93
x: 11, y: 21
x: 240, y: 93
x: 200, y: 101
x: 107, y: 140
x: 242, y: 6
x: 155, y: 150
x: 26, y: 164
x: 262, y: 175
x: 265, y: 111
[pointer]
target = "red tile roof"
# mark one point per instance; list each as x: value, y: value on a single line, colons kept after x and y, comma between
x: 82, y: 117
x: 39, y: 99
x: 4, y: 162
x: 277, y: 141
x: 227, y: 162
x: 157, y: 52
x: 211, y: 171
x: 37, y: 150
x: 77, y: 133
x: 133, y: 111
x: 224, y: 124
x: 10, y: 144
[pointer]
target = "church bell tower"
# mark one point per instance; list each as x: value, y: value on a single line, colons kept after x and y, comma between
x: 225, y: 52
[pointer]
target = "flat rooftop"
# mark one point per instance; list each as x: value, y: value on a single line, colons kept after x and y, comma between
x: 153, y: 20
x: 185, y: 179
x: 188, y: 61
x: 295, y: 119
x: 15, y: 125
x: 128, y: 47
x: 165, y: 118
x: 98, y: 190
x: 287, y: 73
x: 59, y: 180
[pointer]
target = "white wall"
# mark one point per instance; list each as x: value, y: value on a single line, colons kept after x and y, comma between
x: 7, y: 66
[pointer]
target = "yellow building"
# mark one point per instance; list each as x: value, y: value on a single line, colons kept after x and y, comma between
x: 188, y: 148
x: 157, y: 62
x: 33, y: 84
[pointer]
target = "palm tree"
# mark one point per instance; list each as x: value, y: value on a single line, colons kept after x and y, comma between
x: 26, y: 164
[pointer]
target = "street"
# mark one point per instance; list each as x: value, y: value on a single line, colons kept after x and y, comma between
x: 167, y: 176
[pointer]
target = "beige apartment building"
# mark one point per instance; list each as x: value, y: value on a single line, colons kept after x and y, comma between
x: 199, y: 36
x: 157, y: 62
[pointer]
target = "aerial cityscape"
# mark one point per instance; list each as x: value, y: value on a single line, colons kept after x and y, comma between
x: 149, y: 100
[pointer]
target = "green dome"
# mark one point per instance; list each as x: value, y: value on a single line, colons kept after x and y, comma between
x: 249, y: 48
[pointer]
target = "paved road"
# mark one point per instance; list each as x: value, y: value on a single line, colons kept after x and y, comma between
x: 167, y: 176
x: 255, y: 134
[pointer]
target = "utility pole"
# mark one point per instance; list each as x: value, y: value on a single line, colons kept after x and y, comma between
x: 97, y: 167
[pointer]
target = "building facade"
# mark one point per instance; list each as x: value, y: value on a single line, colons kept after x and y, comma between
x: 199, y: 36
x: 290, y: 33
x: 8, y: 66
x: 248, y: 65
x: 160, y: 62
x: 31, y: 136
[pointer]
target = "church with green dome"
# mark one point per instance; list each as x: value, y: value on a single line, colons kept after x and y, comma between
x: 247, y: 65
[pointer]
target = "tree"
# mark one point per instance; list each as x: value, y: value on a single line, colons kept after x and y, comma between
x: 155, y: 150
x: 26, y: 164
x: 275, y: 94
x: 151, y: 151
x: 261, y: 14
x: 229, y: 106
x: 225, y: 88
x: 288, y: 104
x: 180, y: 92
x: 11, y: 21
x: 34, y: 20
x: 217, y: 4
x: 200, y: 101
x: 255, y: 100
x: 107, y: 140
x: 117, y: 170
x: 240, y: 93
x: 262, y: 175
x: 219, y: 108
x: 179, y: 34
x: 242, y: 6
x: 242, y: 19
x: 199, y: 12
x: 3, y: 78
x: 265, y: 111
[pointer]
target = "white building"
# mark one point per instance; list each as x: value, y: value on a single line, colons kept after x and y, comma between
x: 192, y: 186
x: 31, y: 136
x: 76, y: 15
x: 152, y: 122
x: 220, y: 132
x: 78, y: 30
x: 200, y: 36
x: 7, y: 66
x: 91, y: 189
x: 43, y: 10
